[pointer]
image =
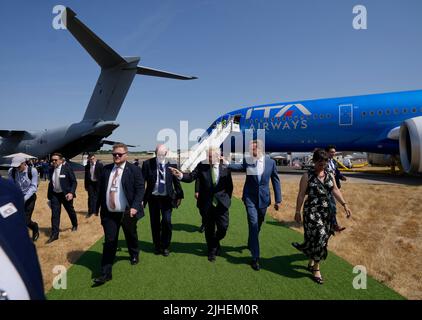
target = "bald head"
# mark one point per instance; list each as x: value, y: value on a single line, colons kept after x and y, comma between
x: 161, y: 152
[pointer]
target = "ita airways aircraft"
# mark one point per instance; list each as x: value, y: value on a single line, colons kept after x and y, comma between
x: 389, y: 123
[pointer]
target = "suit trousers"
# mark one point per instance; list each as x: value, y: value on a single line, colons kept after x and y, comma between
x: 111, y: 222
x: 256, y: 216
x: 29, y: 209
x: 56, y: 201
x: 161, y: 231
x: 216, y: 224
x: 93, y: 199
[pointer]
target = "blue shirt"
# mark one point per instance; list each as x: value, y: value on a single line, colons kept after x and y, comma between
x: 27, y: 186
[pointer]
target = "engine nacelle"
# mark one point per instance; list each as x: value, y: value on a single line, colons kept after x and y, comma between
x: 410, y: 142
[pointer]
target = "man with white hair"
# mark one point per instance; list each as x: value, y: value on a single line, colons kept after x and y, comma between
x: 163, y: 193
x: 214, y: 199
x: 26, y: 178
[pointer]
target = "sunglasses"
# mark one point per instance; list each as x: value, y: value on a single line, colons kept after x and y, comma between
x: 118, y: 154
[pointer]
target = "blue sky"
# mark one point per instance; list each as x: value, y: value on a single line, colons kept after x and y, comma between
x: 244, y: 53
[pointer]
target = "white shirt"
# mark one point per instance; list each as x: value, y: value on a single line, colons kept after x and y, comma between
x: 155, y: 191
x: 57, y: 188
x: 258, y: 169
x: 331, y: 165
x: 260, y: 164
x: 121, y: 201
x: 10, y: 279
x: 92, y: 171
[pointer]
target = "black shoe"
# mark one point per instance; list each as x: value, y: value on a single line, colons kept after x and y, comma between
x: 35, y: 234
x: 201, y: 228
x: 74, y: 228
x: 211, y: 258
x: 102, y: 279
x: 255, y: 265
x: 297, y: 245
x: 218, y: 251
x: 166, y: 252
x: 52, y: 238
x: 134, y: 260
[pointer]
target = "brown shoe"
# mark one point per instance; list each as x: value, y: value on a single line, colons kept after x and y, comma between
x: 337, y: 228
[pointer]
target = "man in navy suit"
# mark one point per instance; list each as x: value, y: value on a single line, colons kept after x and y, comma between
x: 61, y: 191
x: 122, y: 191
x: 93, y: 172
x: 214, y: 199
x: 20, y: 273
x: 260, y: 170
x: 163, y: 193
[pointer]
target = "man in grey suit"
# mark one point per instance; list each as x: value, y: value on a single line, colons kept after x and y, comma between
x: 260, y: 170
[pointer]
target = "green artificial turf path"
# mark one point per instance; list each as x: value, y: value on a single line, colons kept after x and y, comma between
x: 187, y: 274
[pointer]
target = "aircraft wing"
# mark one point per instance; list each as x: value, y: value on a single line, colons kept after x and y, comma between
x: 16, y: 134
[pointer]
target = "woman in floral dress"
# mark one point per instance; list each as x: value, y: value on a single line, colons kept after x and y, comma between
x: 319, y: 185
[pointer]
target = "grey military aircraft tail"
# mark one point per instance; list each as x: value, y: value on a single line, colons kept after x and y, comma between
x: 117, y: 74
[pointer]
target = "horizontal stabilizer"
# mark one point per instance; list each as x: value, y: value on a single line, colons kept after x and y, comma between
x: 163, y: 74
x: 105, y: 56
x: 109, y: 142
x: 16, y: 134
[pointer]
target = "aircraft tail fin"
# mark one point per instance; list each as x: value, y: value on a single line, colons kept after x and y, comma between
x: 117, y: 72
x: 105, y: 56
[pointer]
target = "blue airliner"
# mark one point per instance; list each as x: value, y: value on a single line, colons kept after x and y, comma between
x: 389, y: 123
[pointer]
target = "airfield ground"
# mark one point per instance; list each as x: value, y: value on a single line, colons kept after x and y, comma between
x: 384, y: 235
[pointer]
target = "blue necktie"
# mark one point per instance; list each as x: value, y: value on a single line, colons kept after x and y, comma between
x: 161, y: 182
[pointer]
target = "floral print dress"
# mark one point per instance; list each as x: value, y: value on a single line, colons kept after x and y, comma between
x: 317, y: 216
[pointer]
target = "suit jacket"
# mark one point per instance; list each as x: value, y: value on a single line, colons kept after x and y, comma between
x: 133, y: 186
x: 197, y: 191
x: 15, y: 242
x: 98, y: 171
x: 222, y: 191
x: 259, y: 192
x: 67, y: 181
x: 173, y: 188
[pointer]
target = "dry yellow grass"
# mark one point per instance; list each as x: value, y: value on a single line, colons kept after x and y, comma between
x: 70, y: 245
x: 384, y: 233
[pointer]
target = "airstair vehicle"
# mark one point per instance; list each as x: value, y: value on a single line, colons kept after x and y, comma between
x: 214, y: 137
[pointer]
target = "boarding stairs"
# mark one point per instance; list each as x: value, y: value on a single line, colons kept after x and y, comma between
x: 215, y: 138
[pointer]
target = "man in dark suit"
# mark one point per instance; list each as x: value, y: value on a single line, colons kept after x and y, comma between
x: 93, y: 172
x: 260, y: 170
x: 20, y: 275
x: 333, y: 168
x: 202, y: 227
x: 121, y: 195
x: 163, y: 193
x: 61, y: 191
x: 215, y: 192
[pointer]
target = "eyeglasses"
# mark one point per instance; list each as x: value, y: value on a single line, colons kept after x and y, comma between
x: 118, y: 154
